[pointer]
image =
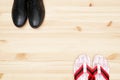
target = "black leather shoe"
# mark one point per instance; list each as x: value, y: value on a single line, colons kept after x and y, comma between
x: 36, y: 12
x: 19, y: 12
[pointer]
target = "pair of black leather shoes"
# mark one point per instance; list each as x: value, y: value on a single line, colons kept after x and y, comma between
x: 33, y: 9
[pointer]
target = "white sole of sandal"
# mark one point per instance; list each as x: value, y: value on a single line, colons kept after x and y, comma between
x: 101, y: 63
x: 81, y: 63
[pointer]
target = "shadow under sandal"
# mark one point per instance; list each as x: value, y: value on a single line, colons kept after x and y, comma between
x: 36, y: 12
x: 19, y: 12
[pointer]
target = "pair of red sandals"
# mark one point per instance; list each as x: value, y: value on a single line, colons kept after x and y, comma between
x: 83, y: 71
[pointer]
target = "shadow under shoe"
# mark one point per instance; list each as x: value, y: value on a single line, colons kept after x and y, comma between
x: 19, y: 12
x: 36, y: 12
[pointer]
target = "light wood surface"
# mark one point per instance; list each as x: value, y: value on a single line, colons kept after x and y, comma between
x: 70, y: 28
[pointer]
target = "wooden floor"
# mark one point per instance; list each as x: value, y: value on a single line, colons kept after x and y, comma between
x: 70, y: 28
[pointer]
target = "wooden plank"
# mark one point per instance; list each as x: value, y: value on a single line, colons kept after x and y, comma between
x: 71, y: 28
x: 82, y: 3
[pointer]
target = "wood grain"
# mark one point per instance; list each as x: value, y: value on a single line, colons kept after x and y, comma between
x: 70, y: 28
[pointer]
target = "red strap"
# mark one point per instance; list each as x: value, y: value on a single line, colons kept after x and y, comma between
x: 91, y: 72
x: 104, y: 74
x: 78, y: 73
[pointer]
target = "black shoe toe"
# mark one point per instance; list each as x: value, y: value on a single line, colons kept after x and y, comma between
x: 19, y: 12
x: 36, y: 13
